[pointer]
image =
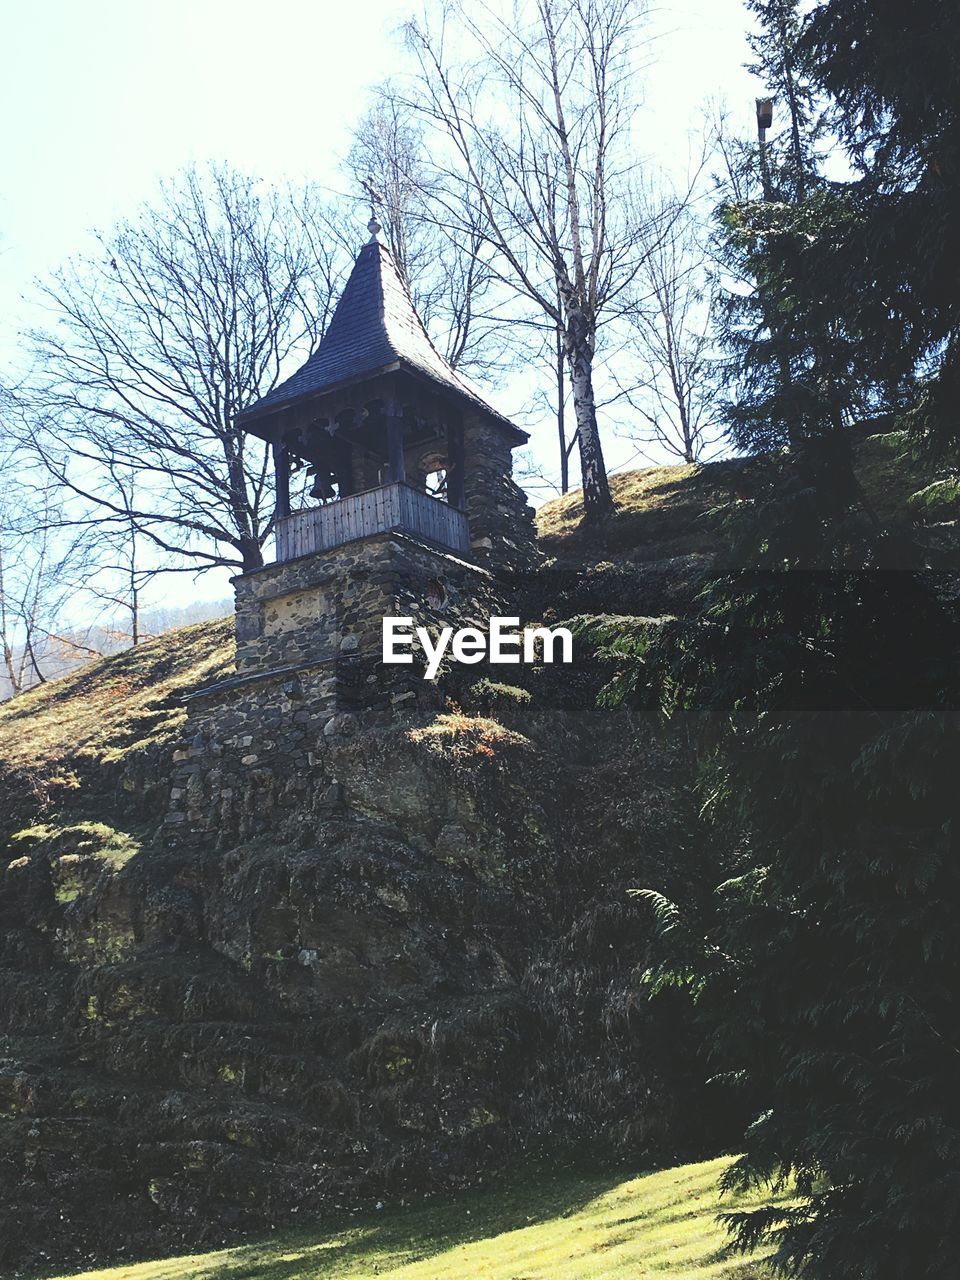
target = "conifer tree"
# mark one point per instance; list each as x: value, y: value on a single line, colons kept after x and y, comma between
x: 892, y: 73
x: 822, y: 680
x: 794, y: 368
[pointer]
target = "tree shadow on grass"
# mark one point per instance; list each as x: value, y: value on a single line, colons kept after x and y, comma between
x: 401, y: 1236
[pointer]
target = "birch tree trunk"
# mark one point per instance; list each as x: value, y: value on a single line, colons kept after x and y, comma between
x: 535, y: 120
x: 578, y: 343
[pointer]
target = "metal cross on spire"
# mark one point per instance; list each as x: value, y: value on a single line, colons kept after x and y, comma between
x: 375, y: 198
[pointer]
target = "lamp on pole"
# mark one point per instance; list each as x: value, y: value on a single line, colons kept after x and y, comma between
x: 764, y: 121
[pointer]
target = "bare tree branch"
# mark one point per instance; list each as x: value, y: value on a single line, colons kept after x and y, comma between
x: 671, y: 342
x: 188, y: 313
x: 533, y: 121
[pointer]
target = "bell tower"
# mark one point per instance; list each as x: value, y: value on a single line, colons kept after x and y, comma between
x: 388, y: 435
x: 394, y: 498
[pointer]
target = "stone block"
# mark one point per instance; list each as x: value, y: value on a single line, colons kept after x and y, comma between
x: 341, y: 725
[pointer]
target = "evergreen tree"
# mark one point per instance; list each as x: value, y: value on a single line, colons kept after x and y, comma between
x: 781, y: 65
x: 823, y: 692
x: 822, y: 680
x: 892, y: 72
x: 796, y: 369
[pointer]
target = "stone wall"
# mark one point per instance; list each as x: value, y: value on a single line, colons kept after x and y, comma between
x: 502, y: 531
x: 309, y: 674
x: 312, y: 608
x: 318, y: 607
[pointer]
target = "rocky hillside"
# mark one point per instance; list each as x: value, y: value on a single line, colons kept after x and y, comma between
x: 421, y: 973
x: 411, y: 980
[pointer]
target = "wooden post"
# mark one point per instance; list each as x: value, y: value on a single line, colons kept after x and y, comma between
x: 455, y: 465
x: 343, y: 453
x: 281, y: 463
x: 397, y: 470
x: 345, y: 468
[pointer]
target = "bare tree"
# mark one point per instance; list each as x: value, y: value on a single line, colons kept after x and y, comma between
x: 672, y: 345
x: 551, y: 400
x: 536, y: 113
x: 557, y: 357
x: 446, y: 262
x: 387, y: 160
x: 187, y: 314
x: 36, y: 575
x: 119, y: 563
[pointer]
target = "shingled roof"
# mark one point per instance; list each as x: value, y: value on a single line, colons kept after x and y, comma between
x: 375, y: 327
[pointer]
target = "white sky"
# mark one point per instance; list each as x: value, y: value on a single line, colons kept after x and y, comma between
x: 101, y: 98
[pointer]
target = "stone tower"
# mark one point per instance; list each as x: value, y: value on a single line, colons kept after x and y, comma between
x: 394, y: 498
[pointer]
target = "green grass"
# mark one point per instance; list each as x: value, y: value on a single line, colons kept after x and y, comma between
x: 563, y: 1226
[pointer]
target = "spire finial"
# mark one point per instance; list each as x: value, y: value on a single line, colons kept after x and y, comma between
x: 375, y: 198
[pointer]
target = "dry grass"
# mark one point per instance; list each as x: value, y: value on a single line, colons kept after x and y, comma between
x: 116, y: 704
x: 679, y: 510
x: 548, y: 1226
x: 661, y: 512
x: 464, y: 737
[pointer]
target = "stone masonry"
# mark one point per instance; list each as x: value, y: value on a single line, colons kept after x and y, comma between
x: 309, y: 673
x: 502, y: 535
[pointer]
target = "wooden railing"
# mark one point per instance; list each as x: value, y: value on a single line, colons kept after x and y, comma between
x: 390, y: 506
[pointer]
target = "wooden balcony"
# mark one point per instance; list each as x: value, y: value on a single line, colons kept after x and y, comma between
x: 390, y: 506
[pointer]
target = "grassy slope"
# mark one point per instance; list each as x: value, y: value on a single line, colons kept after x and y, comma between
x: 557, y: 1227
x: 671, y: 511
x: 105, y: 708
x: 64, y: 739
x: 661, y: 511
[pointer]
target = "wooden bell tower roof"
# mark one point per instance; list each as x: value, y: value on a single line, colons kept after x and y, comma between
x: 374, y: 330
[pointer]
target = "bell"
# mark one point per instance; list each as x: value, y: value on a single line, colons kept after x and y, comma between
x: 322, y: 489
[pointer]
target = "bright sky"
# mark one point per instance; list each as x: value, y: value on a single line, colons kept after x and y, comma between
x: 101, y: 98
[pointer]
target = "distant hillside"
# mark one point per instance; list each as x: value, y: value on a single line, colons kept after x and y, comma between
x: 75, y: 647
